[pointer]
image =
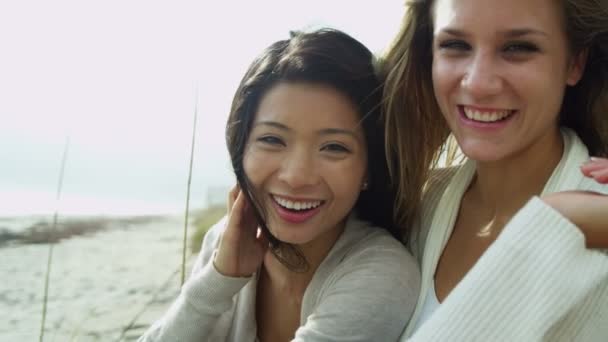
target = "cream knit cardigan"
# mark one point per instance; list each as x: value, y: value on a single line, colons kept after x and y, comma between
x: 364, y: 290
x: 536, y: 282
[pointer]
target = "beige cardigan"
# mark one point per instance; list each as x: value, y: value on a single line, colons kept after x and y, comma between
x: 364, y: 290
x: 536, y: 282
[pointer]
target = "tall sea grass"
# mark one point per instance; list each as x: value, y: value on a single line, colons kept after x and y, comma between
x: 187, y: 210
x: 51, y: 242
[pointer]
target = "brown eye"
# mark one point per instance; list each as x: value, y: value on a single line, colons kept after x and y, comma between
x: 271, y: 140
x: 336, y: 148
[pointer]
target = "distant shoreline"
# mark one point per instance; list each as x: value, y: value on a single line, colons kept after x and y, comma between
x: 38, y: 229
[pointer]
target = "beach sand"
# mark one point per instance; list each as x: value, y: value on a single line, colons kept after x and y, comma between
x: 108, y: 286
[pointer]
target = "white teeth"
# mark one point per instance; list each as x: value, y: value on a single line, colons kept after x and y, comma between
x: 296, y: 205
x: 486, y: 116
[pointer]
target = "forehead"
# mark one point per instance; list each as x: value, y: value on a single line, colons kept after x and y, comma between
x: 490, y: 16
x: 307, y: 106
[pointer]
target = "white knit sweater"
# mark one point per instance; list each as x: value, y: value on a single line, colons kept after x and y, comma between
x: 536, y: 282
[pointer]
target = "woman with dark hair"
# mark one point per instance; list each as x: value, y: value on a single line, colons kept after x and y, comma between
x: 509, y: 242
x: 301, y: 255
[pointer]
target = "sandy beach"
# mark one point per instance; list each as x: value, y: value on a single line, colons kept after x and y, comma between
x: 108, y: 286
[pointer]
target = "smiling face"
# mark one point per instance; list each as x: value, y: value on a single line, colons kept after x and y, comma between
x: 306, y: 160
x: 500, y: 69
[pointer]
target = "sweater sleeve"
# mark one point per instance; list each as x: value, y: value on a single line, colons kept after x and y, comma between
x: 528, y: 279
x: 199, y: 312
x: 369, y: 297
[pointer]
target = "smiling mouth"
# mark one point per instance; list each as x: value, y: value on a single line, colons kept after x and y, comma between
x: 486, y: 115
x: 298, y: 206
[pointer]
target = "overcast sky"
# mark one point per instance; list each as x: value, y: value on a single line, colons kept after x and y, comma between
x: 119, y: 78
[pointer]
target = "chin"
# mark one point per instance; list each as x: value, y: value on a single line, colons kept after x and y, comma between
x: 293, y: 239
x: 484, y: 153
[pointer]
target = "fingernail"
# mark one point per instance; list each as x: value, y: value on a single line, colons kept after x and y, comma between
x: 589, y: 161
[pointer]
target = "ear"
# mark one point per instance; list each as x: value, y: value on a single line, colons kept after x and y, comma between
x: 365, y: 182
x: 577, y: 67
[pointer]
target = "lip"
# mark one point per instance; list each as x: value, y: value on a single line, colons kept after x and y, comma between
x: 296, y: 199
x: 484, y: 126
x: 295, y: 217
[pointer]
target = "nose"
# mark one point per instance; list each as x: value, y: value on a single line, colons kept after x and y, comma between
x: 298, y: 169
x: 482, y: 77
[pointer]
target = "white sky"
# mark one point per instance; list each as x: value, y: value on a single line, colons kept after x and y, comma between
x: 119, y: 78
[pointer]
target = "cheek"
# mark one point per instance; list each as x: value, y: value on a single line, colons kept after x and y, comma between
x: 346, y: 179
x: 443, y: 79
x: 539, y: 87
x: 254, y: 165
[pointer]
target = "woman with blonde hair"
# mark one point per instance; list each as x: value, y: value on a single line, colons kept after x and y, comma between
x: 509, y: 242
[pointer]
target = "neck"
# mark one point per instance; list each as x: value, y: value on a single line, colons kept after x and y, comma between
x: 283, y: 279
x: 501, y: 188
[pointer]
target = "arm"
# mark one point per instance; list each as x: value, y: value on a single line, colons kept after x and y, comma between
x: 529, y: 278
x: 197, y: 314
x: 217, y: 276
x: 587, y: 210
x: 370, y: 298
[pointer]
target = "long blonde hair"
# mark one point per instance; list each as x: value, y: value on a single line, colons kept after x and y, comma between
x: 415, y: 129
x: 416, y: 132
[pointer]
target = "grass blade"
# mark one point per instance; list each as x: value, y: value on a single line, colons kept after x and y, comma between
x: 187, y: 211
x: 52, y: 243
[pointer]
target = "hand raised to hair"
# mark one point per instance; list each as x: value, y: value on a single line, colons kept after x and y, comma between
x: 587, y: 210
x: 242, y: 245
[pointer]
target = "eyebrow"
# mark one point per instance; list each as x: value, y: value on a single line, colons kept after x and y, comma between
x: 330, y: 131
x: 513, y: 33
x: 273, y: 124
x: 325, y: 131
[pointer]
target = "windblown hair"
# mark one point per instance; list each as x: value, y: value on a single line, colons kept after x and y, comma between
x: 585, y: 106
x: 415, y: 128
x: 325, y: 57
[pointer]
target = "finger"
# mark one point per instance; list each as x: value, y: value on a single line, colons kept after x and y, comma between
x: 248, y: 218
x: 262, y: 239
x: 232, y: 194
x: 600, y: 176
x: 235, y: 214
x: 594, y: 164
x: 241, y: 217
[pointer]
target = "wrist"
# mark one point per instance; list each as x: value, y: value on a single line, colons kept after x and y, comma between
x: 221, y: 268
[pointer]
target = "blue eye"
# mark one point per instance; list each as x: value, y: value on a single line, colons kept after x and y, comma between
x: 454, y: 44
x: 335, y: 148
x: 520, y: 47
x: 271, y: 140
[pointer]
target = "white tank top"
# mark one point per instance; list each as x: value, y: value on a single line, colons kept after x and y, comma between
x: 431, y: 303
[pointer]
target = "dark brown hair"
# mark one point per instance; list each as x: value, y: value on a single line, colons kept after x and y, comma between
x: 327, y: 57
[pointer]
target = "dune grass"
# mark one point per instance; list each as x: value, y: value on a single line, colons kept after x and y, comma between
x: 188, y: 186
x: 51, y: 244
x: 43, y: 231
x: 204, y: 219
